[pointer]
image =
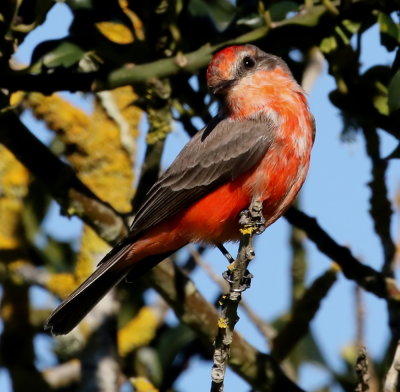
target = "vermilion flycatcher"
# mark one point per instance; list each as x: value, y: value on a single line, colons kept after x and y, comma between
x: 256, y: 149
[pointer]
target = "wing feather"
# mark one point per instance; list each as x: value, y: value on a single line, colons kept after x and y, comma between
x: 219, y: 153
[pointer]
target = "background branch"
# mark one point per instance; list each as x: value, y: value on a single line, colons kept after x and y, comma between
x: 60, y: 180
x: 368, y: 278
x: 260, y: 370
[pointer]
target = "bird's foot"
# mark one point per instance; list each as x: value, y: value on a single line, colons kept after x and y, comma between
x: 245, y: 283
x: 253, y: 218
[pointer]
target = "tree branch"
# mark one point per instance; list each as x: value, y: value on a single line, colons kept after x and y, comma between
x: 303, y: 312
x: 239, y: 280
x: 60, y: 180
x: 392, y: 381
x: 128, y: 74
x: 60, y: 80
x: 362, y: 371
x: 365, y: 276
x: 258, y: 369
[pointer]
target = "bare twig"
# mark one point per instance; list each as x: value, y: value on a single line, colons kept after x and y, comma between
x: 360, y: 316
x: 239, y: 280
x: 100, y: 368
x: 368, y: 278
x: 63, y: 375
x: 303, y: 312
x: 267, y: 330
x: 362, y: 371
x: 298, y: 263
x: 381, y: 209
x: 315, y: 66
x: 220, y: 282
x: 258, y: 369
x: 392, y: 381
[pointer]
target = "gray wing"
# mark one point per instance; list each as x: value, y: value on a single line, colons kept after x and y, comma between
x: 220, y: 152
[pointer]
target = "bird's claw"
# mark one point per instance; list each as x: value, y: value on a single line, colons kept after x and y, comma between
x: 253, y: 218
x: 245, y: 283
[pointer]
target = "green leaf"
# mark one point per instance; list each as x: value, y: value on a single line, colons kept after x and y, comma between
x: 64, y: 55
x: 339, y: 31
x: 220, y: 12
x: 390, y: 31
x: 394, y: 93
x: 380, y: 100
x: 81, y: 4
x: 351, y: 25
x: 328, y: 44
x: 280, y: 10
x: 310, y: 18
x: 381, y: 104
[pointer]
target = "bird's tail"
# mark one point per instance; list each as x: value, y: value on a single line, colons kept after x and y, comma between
x: 108, y: 274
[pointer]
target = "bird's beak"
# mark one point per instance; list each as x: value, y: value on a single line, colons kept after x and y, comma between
x: 222, y: 86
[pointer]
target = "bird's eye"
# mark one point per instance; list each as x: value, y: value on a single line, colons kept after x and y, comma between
x: 248, y: 62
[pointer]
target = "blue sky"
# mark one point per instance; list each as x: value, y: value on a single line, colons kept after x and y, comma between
x: 336, y: 192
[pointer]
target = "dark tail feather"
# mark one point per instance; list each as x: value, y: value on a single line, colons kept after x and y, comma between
x: 108, y: 274
x: 74, y: 308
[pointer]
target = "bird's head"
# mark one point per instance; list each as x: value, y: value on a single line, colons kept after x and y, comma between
x: 234, y: 63
x: 244, y: 78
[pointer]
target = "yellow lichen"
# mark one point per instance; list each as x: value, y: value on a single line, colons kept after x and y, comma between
x: 142, y: 384
x: 247, y: 231
x: 222, y: 300
x: 6, y: 312
x: 92, y: 250
x: 231, y: 266
x: 58, y: 114
x: 17, y: 265
x: 335, y: 267
x: 222, y: 323
x: 96, y: 150
x: 61, y: 284
x: 14, y: 180
x: 137, y: 332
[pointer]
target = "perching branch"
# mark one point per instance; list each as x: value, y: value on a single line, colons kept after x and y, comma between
x: 362, y: 371
x: 392, y: 381
x: 262, y: 326
x: 258, y: 369
x: 239, y: 280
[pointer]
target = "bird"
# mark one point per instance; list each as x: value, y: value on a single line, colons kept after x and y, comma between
x: 256, y: 149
